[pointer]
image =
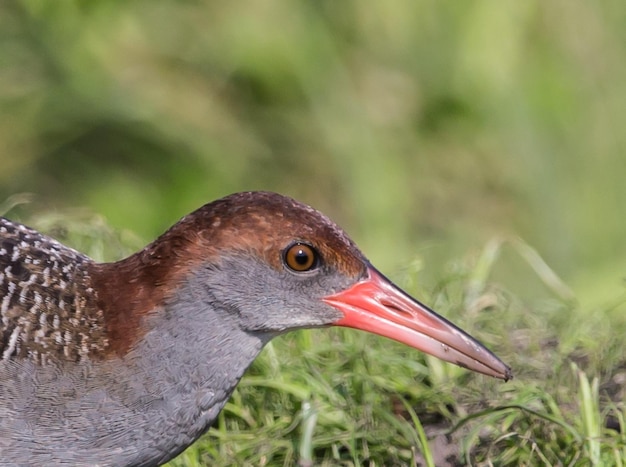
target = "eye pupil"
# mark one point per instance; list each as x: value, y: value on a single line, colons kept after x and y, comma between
x: 300, y: 257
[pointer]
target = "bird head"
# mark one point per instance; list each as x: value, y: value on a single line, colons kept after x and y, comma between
x: 271, y: 264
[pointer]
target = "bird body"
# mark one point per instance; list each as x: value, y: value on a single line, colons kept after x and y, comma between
x: 128, y: 363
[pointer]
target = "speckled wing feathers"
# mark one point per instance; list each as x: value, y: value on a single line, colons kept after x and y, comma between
x: 47, y: 306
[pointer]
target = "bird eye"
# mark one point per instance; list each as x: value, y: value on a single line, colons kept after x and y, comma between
x: 301, y: 257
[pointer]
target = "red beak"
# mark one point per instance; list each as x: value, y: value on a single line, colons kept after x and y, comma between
x: 376, y: 305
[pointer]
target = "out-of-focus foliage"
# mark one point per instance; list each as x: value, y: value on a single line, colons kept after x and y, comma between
x: 423, y: 127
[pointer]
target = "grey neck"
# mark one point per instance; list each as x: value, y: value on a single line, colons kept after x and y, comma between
x: 191, y: 365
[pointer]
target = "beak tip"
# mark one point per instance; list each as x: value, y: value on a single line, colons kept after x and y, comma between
x: 500, y: 371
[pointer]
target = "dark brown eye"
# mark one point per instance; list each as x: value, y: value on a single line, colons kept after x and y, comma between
x: 301, y: 257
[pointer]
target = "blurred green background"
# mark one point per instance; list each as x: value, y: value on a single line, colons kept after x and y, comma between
x: 424, y: 128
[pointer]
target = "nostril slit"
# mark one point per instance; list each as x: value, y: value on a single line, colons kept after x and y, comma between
x: 396, y: 309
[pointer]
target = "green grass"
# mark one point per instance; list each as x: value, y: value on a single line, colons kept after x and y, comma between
x: 427, y: 129
x: 343, y: 397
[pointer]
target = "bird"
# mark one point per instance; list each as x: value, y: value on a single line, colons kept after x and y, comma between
x: 129, y: 362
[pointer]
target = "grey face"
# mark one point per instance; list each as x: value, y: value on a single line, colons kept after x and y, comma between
x: 267, y: 300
